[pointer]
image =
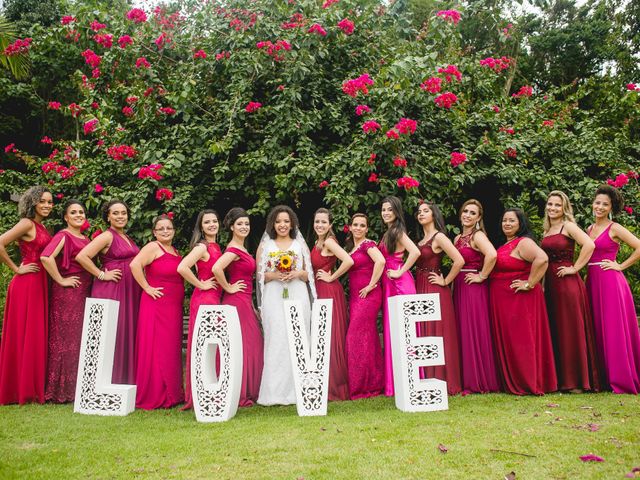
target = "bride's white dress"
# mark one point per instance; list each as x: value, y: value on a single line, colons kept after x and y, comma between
x: 277, y: 386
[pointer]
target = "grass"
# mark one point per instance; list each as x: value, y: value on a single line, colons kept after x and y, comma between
x: 487, y: 436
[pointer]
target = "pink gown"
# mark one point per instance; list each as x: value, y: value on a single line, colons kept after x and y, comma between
x: 244, y: 268
x: 429, y: 262
x: 200, y: 297
x: 23, y: 349
x: 66, y: 316
x: 521, y: 328
x: 390, y: 288
x: 127, y: 292
x: 471, y: 302
x: 364, y: 352
x: 159, y: 340
x: 338, y: 371
x: 614, y: 316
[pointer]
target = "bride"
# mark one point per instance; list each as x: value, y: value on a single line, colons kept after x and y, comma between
x: 284, y: 267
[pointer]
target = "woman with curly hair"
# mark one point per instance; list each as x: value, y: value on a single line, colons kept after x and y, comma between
x: 23, y: 350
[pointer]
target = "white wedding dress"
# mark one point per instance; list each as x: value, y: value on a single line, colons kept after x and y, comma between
x: 277, y: 387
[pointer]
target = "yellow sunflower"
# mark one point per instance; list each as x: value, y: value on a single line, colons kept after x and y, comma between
x: 285, y: 262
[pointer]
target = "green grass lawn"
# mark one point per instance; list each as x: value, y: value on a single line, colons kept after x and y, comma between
x: 487, y: 436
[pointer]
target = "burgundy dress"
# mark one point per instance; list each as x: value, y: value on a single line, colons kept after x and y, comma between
x: 338, y: 370
x: 200, y: 297
x: 364, y: 352
x: 391, y: 287
x: 127, y: 292
x: 159, y: 339
x: 66, y: 316
x: 429, y: 262
x: 244, y: 269
x: 471, y: 304
x: 521, y: 328
x: 23, y: 349
x: 570, y: 319
x: 615, y: 320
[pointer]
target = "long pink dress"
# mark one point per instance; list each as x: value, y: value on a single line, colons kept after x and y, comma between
x: 127, y: 292
x: 338, y: 370
x: 471, y: 302
x: 364, y: 352
x: 570, y: 319
x: 390, y: 288
x: 429, y: 262
x: 244, y: 268
x: 200, y: 297
x: 614, y: 316
x: 159, y: 341
x: 23, y: 349
x: 521, y: 328
x: 66, y: 316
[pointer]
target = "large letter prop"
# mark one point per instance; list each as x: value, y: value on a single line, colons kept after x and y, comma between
x: 95, y: 394
x: 310, y: 362
x: 217, y: 328
x: 411, y: 352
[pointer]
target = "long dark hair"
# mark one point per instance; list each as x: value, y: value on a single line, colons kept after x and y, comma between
x: 29, y: 200
x: 271, y: 221
x: 397, y: 228
x: 525, y: 229
x: 438, y: 218
x: 617, y: 200
x: 349, y: 243
x: 330, y: 233
x: 197, y: 236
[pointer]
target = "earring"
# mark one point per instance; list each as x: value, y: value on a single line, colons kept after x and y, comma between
x: 477, y: 225
x: 610, y: 216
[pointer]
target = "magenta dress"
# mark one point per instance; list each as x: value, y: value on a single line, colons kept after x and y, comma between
x: 614, y: 316
x: 66, y: 316
x: 127, y: 292
x: 338, y: 370
x: 244, y: 268
x: 390, y: 288
x: 159, y: 340
x: 364, y: 352
x: 471, y: 303
x: 570, y: 319
x: 200, y: 297
x: 429, y: 262
x: 23, y: 349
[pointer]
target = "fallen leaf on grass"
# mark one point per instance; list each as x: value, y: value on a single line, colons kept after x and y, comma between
x: 553, y: 405
x: 510, y: 476
x: 586, y: 408
x: 322, y: 429
x: 442, y: 448
x: 593, y: 427
x: 591, y: 458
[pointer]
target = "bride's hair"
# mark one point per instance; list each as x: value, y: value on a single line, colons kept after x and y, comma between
x: 271, y: 221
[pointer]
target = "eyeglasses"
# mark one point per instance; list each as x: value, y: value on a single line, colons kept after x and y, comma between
x: 164, y: 229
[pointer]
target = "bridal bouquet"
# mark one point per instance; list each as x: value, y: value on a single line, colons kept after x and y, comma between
x: 283, y: 262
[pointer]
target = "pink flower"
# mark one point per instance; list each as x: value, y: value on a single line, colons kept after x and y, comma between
x: 162, y: 40
x: 360, y: 84
x: 392, y: 134
x: 131, y: 100
x: 297, y: 20
x: 95, y: 26
x: 323, y: 184
x: 10, y: 148
x: 632, y: 174
x: 148, y: 92
x: 525, y: 91
x: 372, y: 158
x: 631, y: 86
x: 18, y: 47
x: 75, y: 109
x: 347, y: 26
x: 511, y: 152
x: 446, y: 100
x: 328, y: 3
x: 95, y: 73
x: 508, y: 130
x: 164, y: 194
x: 127, y: 111
x: 252, y: 107
x: 124, y: 41
x: 346, y: 229
x: 496, y: 64
x: 90, y: 126
x: 400, y: 162
x: 621, y: 180
x: 59, y: 196
x: 46, y: 140
x: 2, y: 171
x: 85, y: 226
x: 496, y: 108
x: 281, y: 88
x: 95, y: 105
x: 137, y: 15
x: 628, y: 209
x: 407, y: 183
x: 450, y: 16
x: 142, y: 62
x: 104, y: 39
x: 591, y: 458
x: 120, y: 152
x: 432, y: 85
x: 547, y: 123
x: 200, y: 54
x: 361, y: 109
x: 167, y: 111
x: 91, y: 58
x: 222, y: 55
x: 98, y: 188
x: 373, y: 178
x: 150, y: 171
x: 370, y: 126
x: 96, y: 234
x: 317, y: 28
x: 54, y: 105
x: 67, y: 19
x: 170, y: 215
x: 406, y: 126
x: 450, y: 70
x: 458, y: 158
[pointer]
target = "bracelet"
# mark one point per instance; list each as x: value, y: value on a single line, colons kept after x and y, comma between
x: 101, y: 275
x: 482, y: 277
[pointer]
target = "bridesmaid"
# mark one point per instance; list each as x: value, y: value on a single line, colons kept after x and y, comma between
x: 240, y: 267
x: 324, y: 256
x: 518, y: 312
x: 204, y: 254
x: 614, y: 314
x: 429, y: 279
x: 364, y: 353
x: 159, y: 340
x: 23, y: 347
x: 471, y: 302
x: 570, y: 318
x: 71, y: 287
x: 115, y: 282
x: 397, y: 279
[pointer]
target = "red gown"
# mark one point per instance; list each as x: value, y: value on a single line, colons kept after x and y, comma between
x: 521, y: 328
x: 23, y: 349
x: 429, y: 262
x: 338, y: 370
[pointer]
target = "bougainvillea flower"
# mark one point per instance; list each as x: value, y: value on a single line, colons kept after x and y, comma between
x: 346, y: 25
x: 451, y: 16
x: 458, y: 158
x: 252, y: 107
x: 361, y: 109
x: 446, y: 100
x: 370, y: 126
